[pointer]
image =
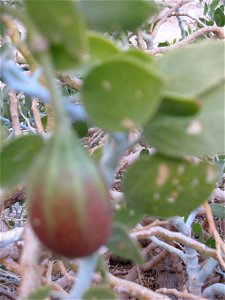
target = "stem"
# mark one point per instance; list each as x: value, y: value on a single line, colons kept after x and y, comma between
x: 15, y: 13
x: 86, y: 268
x: 57, y: 99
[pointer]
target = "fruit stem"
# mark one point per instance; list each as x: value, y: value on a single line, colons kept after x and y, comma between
x: 84, y: 277
x: 57, y: 98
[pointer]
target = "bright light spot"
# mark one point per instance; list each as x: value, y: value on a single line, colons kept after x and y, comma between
x: 56, y: 37
x: 170, y: 200
x: 131, y: 212
x: 163, y: 174
x: 67, y: 20
x: 210, y: 175
x: 106, y: 85
x: 138, y: 93
x: 155, y: 208
x: 175, y: 181
x: 179, y: 188
x: 156, y: 196
x: 180, y: 169
x: 128, y: 123
x: 19, y: 156
x: 194, y: 182
x: 194, y: 128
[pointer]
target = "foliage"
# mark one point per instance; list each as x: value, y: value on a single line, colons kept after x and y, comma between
x: 171, y: 100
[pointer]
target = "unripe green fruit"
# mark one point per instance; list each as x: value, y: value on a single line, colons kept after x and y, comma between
x: 68, y: 201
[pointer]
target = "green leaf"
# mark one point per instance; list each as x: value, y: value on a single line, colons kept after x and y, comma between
x: 16, y: 157
x: 61, y: 23
x: 202, y: 134
x: 138, y: 54
x: 40, y: 294
x: 198, y: 230
x: 121, y: 93
x: 126, y: 216
x: 81, y: 128
x: 164, y: 187
x: 179, y: 106
x: 192, y: 70
x: 219, y: 17
x: 122, y: 245
x: 100, y: 293
x: 100, y: 47
x: 214, y: 5
x: 4, y: 133
x: 218, y: 210
x: 117, y: 15
x: 211, y: 242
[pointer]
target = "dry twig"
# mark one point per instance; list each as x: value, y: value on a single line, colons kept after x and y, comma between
x: 37, y: 117
x: 220, y: 245
x: 13, y: 102
x: 134, y: 289
x: 29, y: 269
x: 180, y: 295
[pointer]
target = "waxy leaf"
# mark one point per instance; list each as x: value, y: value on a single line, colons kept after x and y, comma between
x: 126, y: 216
x: 121, y: 93
x: 122, y: 245
x: 200, y: 67
x: 164, y: 187
x: 178, y: 105
x: 138, y: 54
x: 218, y: 210
x: 202, y: 134
x: 16, y: 157
x: 198, y: 230
x: 100, y: 47
x: 219, y: 17
x: 62, y: 25
x: 100, y: 293
x: 117, y: 15
x: 40, y: 293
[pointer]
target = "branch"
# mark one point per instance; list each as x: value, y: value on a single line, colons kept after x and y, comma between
x: 134, y: 289
x: 13, y: 102
x: 220, y: 245
x: 174, y: 236
x: 29, y: 259
x: 164, y: 18
x: 215, y: 289
x: 70, y: 80
x: 217, y: 30
x: 10, y: 236
x: 180, y: 295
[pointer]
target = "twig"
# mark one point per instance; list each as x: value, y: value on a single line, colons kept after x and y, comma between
x: 29, y: 259
x: 220, y: 245
x: 7, y: 293
x: 134, y: 289
x: 70, y: 80
x: 154, y: 261
x: 49, y: 271
x: 213, y: 290
x: 26, y: 119
x: 10, y: 236
x: 167, y: 14
x: 13, y: 102
x: 37, y: 117
x: 180, y: 295
x: 11, y: 197
x: 181, y: 25
x: 140, y: 41
x: 174, y: 236
x: 217, y: 30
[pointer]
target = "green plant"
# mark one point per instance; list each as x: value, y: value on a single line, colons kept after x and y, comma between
x: 169, y: 99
